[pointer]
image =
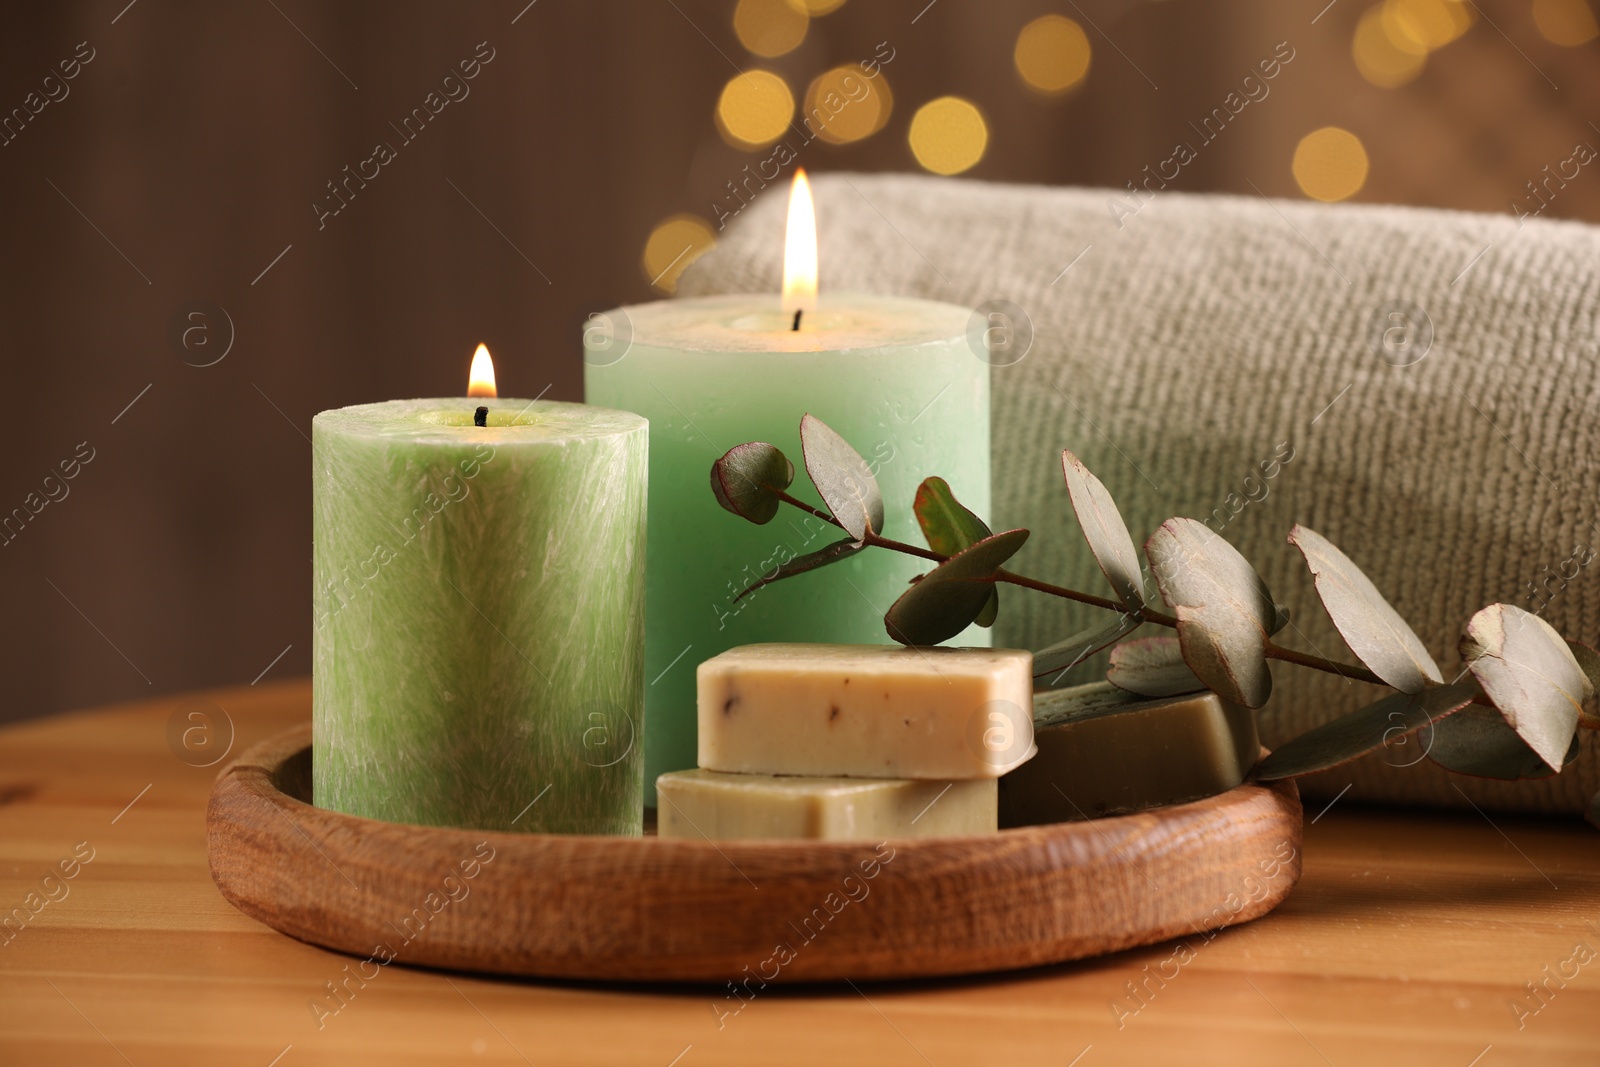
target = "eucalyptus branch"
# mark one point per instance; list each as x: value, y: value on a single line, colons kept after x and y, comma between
x: 1526, y: 678
x: 1146, y: 613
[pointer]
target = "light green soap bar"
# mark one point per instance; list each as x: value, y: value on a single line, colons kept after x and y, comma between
x: 478, y: 598
x: 709, y: 805
x: 1103, y: 751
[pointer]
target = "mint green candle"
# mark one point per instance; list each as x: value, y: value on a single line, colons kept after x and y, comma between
x: 897, y: 378
x: 478, y: 602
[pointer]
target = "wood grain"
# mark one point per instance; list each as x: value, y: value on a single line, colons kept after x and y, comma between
x: 1406, y: 939
x: 751, y: 913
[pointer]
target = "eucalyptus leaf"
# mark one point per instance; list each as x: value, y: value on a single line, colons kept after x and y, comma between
x: 1371, y: 627
x: 1360, y: 732
x: 1281, y: 618
x: 951, y: 596
x: 1478, y: 741
x: 949, y: 527
x: 1152, y: 667
x: 809, y: 562
x: 1105, y: 531
x: 991, y: 610
x: 1050, y: 665
x: 1150, y: 590
x: 1224, y: 609
x: 1153, y: 598
x: 745, y: 477
x: 1589, y: 660
x: 1530, y: 674
x: 948, y: 524
x: 842, y: 478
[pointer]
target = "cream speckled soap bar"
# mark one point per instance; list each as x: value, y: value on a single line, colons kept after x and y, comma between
x: 702, y: 804
x: 1105, y: 752
x: 866, y: 711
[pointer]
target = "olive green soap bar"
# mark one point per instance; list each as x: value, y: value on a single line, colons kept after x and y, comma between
x: 866, y: 711
x: 708, y: 805
x: 1103, y: 751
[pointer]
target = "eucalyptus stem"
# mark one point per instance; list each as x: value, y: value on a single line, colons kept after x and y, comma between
x: 1305, y: 659
x: 801, y: 504
x: 1148, y: 614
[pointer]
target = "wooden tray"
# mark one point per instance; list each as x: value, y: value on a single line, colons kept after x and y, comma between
x: 743, y: 911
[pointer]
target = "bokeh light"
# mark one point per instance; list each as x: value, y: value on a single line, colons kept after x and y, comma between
x: 1382, y: 59
x: 754, y: 109
x: 770, y: 27
x: 817, y: 7
x: 948, y: 135
x: 844, y: 105
x: 1330, y: 164
x: 1565, y: 22
x: 1052, y: 54
x: 1425, y: 24
x: 675, y: 243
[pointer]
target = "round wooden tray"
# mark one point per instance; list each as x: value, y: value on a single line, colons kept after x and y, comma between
x: 641, y: 909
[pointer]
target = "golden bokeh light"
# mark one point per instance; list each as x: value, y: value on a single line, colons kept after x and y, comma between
x: 817, y: 7
x: 1425, y: 25
x: 1565, y: 22
x: 1330, y: 164
x: 844, y: 105
x: 754, y: 109
x: 948, y: 135
x: 675, y: 243
x: 1383, y: 60
x: 1052, y: 54
x: 770, y: 27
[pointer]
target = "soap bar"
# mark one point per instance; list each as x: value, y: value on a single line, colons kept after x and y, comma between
x: 866, y: 711
x: 700, y: 805
x: 1103, y: 751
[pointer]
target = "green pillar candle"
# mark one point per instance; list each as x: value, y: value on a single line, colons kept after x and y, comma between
x: 479, y: 624
x: 898, y: 378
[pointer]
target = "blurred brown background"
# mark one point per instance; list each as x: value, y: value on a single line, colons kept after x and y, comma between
x: 171, y: 185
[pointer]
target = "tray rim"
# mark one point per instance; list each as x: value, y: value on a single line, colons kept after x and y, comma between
x: 317, y: 907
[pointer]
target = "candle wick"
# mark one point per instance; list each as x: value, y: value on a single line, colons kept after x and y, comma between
x: 480, y: 417
x: 797, y: 313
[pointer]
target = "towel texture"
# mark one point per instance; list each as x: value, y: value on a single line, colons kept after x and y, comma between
x: 1420, y: 386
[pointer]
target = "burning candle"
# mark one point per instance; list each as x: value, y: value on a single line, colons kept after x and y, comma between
x: 898, y: 378
x: 478, y: 612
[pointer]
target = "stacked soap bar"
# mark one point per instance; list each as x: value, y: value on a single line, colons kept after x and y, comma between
x: 851, y: 742
x: 1106, y: 752
x: 721, y: 806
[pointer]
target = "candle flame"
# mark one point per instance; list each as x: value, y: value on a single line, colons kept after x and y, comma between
x: 800, y: 249
x: 480, y: 380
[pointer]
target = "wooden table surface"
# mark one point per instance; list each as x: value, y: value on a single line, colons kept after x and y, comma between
x: 1408, y: 940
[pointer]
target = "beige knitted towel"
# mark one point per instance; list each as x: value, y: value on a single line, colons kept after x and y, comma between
x: 1423, y: 387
